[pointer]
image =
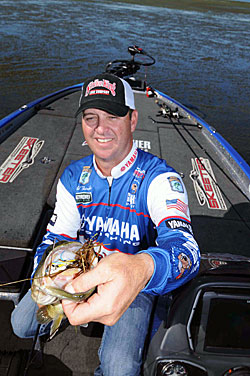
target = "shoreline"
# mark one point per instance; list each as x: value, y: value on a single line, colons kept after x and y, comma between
x: 195, y: 5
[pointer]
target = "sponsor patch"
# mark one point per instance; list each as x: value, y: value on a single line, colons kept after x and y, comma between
x: 130, y: 161
x: 84, y: 178
x: 178, y: 205
x: 22, y: 157
x: 139, y: 175
x: 106, y: 84
x: 83, y: 198
x: 176, y: 184
x: 132, y: 194
x: 205, y: 185
x: 183, y: 264
x: 179, y: 224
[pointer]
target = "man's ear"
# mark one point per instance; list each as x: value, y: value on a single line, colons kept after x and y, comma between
x: 134, y: 120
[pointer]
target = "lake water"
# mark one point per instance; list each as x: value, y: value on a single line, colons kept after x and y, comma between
x: 202, y: 52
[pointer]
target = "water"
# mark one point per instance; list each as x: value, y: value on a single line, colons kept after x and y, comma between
x: 202, y: 52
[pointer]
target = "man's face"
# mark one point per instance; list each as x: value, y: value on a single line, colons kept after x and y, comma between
x: 108, y: 136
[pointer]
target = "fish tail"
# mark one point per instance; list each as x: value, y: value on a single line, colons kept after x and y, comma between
x: 55, y: 325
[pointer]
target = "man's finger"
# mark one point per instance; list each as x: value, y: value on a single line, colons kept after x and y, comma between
x: 79, y: 313
x: 87, y: 281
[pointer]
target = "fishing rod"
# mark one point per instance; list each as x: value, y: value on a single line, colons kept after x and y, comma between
x: 165, y: 111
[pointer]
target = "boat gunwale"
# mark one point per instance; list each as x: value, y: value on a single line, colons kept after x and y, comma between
x: 242, y: 164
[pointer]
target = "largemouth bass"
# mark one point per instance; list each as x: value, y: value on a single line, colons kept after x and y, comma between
x: 59, y: 265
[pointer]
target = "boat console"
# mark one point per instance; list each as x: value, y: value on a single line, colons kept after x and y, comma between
x: 128, y: 68
x: 207, y: 329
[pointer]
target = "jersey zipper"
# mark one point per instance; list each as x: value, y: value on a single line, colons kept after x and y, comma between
x: 110, y: 181
x: 109, y: 195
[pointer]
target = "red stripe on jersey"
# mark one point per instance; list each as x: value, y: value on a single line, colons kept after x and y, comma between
x: 115, y: 205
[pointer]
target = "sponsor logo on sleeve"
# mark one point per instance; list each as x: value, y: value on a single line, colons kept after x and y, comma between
x: 205, y: 185
x: 22, y: 157
x: 177, y: 205
x: 175, y: 184
x: 174, y: 224
x: 184, y: 264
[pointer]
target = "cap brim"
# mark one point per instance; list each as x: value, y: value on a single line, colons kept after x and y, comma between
x: 111, y: 107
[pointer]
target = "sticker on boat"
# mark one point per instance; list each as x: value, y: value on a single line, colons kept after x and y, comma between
x: 141, y: 144
x: 22, y: 157
x: 205, y: 185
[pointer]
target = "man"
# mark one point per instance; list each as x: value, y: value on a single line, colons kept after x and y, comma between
x: 128, y: 197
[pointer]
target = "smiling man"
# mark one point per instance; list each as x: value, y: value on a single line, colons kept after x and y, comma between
x: 107, y: 123
x: 108, y: 136
x: 130, y: 198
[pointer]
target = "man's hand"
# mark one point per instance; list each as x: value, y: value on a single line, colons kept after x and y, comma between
x: 119, y: 279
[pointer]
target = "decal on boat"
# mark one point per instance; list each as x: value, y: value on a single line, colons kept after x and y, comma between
x: 216, y: 263
x: 142, y: 144
x: 205, y: 185
x: 23, y: 156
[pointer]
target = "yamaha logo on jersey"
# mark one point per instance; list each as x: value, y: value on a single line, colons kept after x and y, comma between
x: 174, y: 224
x: 113, y: 229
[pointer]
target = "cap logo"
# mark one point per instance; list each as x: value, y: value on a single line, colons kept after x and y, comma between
x: 101, y: 83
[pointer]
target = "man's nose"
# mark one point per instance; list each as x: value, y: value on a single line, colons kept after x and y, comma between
x: 102, y: 124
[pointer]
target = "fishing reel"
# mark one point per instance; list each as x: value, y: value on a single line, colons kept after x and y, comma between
x: 124, y: 68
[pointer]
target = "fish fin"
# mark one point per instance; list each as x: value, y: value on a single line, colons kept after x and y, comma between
x: 43, y: 316
x: 78, y: 296
x: 55, y: 325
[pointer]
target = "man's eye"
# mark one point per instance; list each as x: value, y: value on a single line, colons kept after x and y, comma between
x: 90, y: 119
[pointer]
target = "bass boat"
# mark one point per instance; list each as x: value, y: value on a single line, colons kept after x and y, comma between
x: 203, y: 327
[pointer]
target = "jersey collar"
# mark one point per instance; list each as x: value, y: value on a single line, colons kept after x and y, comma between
x: 123, y: 166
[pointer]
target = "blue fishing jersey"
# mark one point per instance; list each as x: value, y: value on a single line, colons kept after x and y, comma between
x: 141, y: 207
